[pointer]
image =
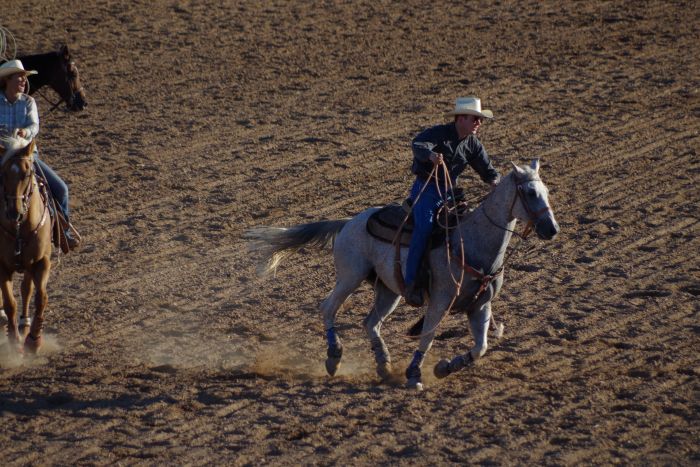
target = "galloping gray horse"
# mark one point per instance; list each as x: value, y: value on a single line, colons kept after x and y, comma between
x: 478, y: 246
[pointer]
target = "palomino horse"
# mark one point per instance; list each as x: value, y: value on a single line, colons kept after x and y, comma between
x: 477, y: 245
x: 57, y: 70
x: 25, y: 239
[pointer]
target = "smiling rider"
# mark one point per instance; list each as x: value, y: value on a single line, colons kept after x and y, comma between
x: 19, y: 115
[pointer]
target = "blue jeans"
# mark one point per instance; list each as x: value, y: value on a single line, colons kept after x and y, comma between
x: 423, y: 217
x: 58, y: 187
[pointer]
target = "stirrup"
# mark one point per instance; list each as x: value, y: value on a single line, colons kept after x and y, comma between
x: 72, y: 237
x: 414, y: 296
x: 68, y: 237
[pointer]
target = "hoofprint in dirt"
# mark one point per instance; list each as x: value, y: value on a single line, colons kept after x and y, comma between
x: 206, y: 120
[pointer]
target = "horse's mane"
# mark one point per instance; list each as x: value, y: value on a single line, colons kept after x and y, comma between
x: 11, y: 145
x: 47, y: 55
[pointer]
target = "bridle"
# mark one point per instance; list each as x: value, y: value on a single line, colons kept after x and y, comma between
x: 485, y: 279
x: 26, y: 194
x: 71, y: 71
x: 533, y: 216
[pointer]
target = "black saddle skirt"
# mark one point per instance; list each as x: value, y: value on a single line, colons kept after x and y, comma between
x: 384, y: 224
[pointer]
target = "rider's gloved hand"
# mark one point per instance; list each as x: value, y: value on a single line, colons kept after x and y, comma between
x: 436, y: 158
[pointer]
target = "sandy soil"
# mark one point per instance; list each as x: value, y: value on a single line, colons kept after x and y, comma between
x: 204, y: 120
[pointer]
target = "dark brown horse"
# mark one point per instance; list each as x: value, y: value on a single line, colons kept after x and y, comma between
x: 58, y: 71
x: 25, y: 239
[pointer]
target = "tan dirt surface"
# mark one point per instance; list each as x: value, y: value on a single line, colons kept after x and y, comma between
x: 208, y: 118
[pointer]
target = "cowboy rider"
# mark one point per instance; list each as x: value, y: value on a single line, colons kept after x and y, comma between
x: 456, y: 145
x: 19, y: 115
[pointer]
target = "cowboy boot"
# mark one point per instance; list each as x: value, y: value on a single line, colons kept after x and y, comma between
x: 414, y: 295
x: 72, y: 236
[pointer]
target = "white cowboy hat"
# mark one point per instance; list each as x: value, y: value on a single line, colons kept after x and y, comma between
x: 14, y: 66
x: 470, y: 106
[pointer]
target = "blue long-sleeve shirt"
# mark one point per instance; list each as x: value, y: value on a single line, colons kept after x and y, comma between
x: 456, y: 153
x: 21, y: 114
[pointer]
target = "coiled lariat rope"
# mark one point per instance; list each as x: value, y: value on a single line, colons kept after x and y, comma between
x: 7, y: 43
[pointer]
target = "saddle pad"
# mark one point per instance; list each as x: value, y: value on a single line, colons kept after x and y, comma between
x: 384, y: 223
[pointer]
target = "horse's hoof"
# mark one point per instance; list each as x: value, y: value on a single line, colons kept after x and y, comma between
x: 332, y: 365
x: 33, y: 345
x: 442, y: 369
x: 384, y: 371
x: 414, y: 384
x: 334, y: 354
x: 499, y: 330
x: 18, y: 348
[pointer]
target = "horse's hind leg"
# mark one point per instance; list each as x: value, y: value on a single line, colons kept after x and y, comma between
x: 40, y: 275
x: 385, y: 302
x: 27, y: 289
x: 350, y: 272
x: 479, y: 324
x: 329, y: 310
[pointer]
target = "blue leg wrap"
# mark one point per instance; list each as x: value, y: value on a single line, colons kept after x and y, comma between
x: 418, y: 357
x: 413, y: 370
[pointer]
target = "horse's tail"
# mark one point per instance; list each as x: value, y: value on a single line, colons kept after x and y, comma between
x: 277, y: 243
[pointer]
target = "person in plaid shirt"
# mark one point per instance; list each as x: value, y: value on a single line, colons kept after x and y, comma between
x: 19, y: 117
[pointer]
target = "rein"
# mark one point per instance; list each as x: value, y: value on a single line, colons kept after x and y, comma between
x: 54, y: 106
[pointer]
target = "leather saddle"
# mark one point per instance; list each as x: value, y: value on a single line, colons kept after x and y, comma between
x: 59, y: 224
x: 384, y: 223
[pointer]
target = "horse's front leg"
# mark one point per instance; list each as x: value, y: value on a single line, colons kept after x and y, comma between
x: 10, y: 305
x: 40, y: 275
x: 436, y: 311
x: 479, y: 324
x: 27, y: 288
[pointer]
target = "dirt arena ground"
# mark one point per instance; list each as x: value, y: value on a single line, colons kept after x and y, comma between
x: 205, y: 120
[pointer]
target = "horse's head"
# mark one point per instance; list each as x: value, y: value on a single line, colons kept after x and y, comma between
x: 66, y: 81
x: 533, y: 201
x: 16, y: 172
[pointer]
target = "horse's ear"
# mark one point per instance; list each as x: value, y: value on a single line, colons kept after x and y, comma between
x: 29, y: 148
x: 520, y: 172
x: 64, y: 51
x: 535, y: 165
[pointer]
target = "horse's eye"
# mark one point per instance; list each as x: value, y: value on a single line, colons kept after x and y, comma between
x: 531, y: 193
